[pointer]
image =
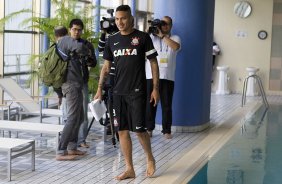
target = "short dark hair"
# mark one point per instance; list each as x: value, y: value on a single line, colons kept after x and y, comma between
x: 124, y: 8
x: 76, y: 22
x: 60, y: 31
x: 169, y: 18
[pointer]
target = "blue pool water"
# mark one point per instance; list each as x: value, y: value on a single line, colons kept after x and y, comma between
x: 252, y: 156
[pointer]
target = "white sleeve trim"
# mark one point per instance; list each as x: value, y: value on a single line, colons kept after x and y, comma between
x: 150, y: 52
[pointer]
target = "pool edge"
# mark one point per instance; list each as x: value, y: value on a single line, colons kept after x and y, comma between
x: 183, y: 170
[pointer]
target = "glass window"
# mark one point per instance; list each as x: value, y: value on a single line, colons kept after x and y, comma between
x: 108, y: 5
x: 14, y: 6
x: 17, y: 50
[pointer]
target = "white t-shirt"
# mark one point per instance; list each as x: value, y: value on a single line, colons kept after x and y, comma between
x: 166, y: 58
x: 215, y: 50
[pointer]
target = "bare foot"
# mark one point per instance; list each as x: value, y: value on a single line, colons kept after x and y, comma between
x: 65, y: 157
x: 84, y: 145
x: 125, y: 175
x: 151, y: 168
x: 76, y: 152
x: 168, y: 136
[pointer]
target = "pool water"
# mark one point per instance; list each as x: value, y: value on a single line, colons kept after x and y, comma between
x: 252, y: 156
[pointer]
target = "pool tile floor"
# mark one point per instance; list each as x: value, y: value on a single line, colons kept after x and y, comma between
x: 103, y: 161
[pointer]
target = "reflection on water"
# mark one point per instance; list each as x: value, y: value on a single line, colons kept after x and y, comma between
x: 251, y: 156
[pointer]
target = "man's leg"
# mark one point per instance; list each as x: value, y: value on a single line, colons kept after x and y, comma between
x: 75, y: 113
x: 64, y: 111
x: 166, y: 95
x: 72, y: 101
x: 84, y: 126
x: 126, y: 148
x: 72, y: 146
x: 137, y: 105
x: 144, y: 140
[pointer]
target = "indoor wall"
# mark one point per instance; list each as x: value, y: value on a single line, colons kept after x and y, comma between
x: 239, y: 42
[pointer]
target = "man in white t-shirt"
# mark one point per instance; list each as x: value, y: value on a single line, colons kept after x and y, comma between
x: 215, y: 52
x: 167, y: 46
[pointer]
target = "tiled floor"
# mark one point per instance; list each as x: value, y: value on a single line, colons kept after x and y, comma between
x: 103, y: 161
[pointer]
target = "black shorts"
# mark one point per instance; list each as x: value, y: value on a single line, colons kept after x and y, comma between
x: 129, y: 112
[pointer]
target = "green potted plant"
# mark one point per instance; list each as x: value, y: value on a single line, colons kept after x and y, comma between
x: 64, y: 13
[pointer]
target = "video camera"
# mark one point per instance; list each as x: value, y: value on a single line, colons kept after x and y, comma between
x: 155, y: 24
x: 108, y: 24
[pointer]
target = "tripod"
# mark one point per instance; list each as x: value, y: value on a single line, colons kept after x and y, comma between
x: 107, y: 97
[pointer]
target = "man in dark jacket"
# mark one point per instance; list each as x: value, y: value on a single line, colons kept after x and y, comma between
x: 76, y: 27
x: 73, y: 52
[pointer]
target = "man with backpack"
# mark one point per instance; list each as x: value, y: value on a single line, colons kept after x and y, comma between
x: 74, y: 53
x: 52, y: 68
x: 75, y: 28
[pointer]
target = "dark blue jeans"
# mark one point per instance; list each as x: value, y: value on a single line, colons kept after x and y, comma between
x: 166, y: 88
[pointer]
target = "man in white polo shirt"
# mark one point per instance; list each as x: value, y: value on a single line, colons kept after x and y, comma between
x: 167, y: 46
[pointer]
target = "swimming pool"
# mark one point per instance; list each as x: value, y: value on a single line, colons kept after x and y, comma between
x: 251, y: 156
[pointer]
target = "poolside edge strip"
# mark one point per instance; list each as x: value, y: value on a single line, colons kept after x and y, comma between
x: 187, y: 166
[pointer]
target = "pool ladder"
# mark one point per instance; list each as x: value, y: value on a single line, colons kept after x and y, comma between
x: 262, y: 93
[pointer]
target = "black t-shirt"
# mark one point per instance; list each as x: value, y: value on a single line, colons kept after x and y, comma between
x: 129, y: 54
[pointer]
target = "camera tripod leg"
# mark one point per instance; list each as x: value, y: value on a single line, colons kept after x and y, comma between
x: 89, y: 127
x: 110, y: 109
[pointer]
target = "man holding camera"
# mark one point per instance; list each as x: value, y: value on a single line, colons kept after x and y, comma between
x: 108, y: 27
x: 167, y: 46
x: 76, y: 27
x: 71, y: 51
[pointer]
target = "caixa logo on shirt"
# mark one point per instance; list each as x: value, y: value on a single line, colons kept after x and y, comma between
x: 125, y: 52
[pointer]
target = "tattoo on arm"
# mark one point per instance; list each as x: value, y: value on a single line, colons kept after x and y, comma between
x: 155, y: 73
x: 104, y: 73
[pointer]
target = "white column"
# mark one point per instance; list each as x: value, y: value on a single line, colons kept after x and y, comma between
x: 222, y: 80
x: 251, y: 87
x: 2, y: 15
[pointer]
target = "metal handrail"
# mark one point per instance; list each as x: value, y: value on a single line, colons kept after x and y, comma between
x: 262, y: 92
